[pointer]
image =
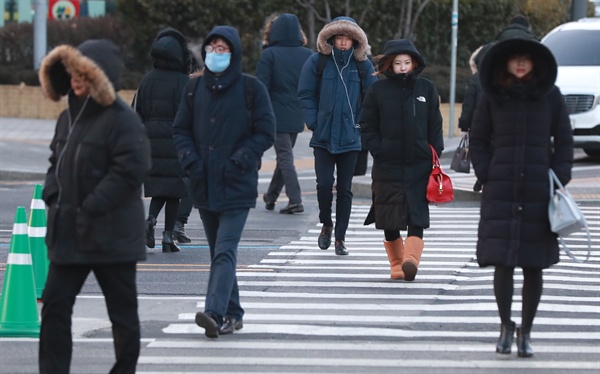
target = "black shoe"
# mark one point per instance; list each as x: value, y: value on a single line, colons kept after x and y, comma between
x: 269, y: 205
x: 150, y: 225
x: 325, y: 237
x: 292, y: 208
x: 168, y: 244
x: 179, y: 233
x: 208, y: 323
x: 230, y: 324
x: 505, y: 341
x: 477, y: 186
x: 340, y: 248
x: 524, y: 348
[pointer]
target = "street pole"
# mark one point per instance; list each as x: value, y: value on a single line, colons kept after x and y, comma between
x: 453, y: 65
x: 40, y: 39
x: 578, y: 9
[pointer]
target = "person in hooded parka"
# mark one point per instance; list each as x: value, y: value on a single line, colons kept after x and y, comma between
x: 279, y: 69
x: 93, y: 190
x: 520, y: 130
x: 157, y: 100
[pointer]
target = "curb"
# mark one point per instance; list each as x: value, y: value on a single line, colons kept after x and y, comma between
x: 25, y: 176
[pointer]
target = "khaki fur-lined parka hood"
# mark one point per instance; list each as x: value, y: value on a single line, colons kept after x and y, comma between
x: 97, y: 61
x: 343, y: 26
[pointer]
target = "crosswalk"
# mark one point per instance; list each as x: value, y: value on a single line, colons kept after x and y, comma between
x: 310, y: 311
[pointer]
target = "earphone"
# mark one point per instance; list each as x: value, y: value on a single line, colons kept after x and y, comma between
x: 339, y: 71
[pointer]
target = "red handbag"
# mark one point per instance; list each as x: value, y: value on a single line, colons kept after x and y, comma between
x: 439, y: 186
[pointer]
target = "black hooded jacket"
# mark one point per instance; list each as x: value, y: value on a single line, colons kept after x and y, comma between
x: 519, y: 131
x: 400, y: 118
x: 100, y: 156
x: 157, y: 101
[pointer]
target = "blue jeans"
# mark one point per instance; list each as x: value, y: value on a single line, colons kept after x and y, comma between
x: 223, y: 231
x: 285, y: 170
x: 325, y: 164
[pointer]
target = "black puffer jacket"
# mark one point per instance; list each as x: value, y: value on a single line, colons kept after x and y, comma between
x: 511, y: 150
x: 399, y: 119
x: 100, y: 156
x: 157, y: 102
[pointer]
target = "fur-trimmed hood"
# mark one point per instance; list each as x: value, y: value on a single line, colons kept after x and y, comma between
x: 343, y: 26
x: 97, y: 61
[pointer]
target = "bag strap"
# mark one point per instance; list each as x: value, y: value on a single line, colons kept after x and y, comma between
x: 555, y: 181
x: 435, y: 159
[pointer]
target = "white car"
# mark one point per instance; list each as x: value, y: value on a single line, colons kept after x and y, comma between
x: 576, y: 47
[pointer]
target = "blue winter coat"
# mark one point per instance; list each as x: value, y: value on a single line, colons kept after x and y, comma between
x: 216, y: 144
x: 279, y: 69
x: 327, y: 113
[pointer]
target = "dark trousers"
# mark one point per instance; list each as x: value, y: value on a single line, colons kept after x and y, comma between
x: 285, y: 170
x: 64, y: 282
x: 325, y: 164
x: 185, y: 205
x: 223, y: 232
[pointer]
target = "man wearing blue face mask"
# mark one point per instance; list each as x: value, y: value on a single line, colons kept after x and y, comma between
x: 220, y: 145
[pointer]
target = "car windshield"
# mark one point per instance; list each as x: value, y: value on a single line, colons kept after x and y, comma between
x: 575, y: 47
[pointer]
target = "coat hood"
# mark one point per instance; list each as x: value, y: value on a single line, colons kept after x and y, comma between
x: 495, y: 60
x: 97, y: 61
x: 343, y: 26
x: 284, y: 30
x: 170, y: 51
x: 405, y: 46
x: 231, y: 36
x: 477, y: 57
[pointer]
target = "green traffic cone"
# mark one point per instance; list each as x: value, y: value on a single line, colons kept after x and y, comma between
x: 36, y: 229
x: 19, y: 315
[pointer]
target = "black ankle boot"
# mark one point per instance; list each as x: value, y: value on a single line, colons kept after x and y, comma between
x: 340, y: 248
x: 507, y: 332
x: 179, y: 233
x: 325, y: 237
x: 524, y: 348
x: 168, y: 244
x: 150, y: 225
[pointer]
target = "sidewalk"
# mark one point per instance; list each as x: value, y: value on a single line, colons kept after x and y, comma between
x: 24, y: 152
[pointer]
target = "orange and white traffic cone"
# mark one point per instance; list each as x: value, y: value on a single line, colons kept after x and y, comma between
x: 19, y: 315
x: 36, y: 229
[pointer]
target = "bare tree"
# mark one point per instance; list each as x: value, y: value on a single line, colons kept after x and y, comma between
x: 407, y: 21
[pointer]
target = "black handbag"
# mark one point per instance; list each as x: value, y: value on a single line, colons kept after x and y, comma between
x: 461, y: 162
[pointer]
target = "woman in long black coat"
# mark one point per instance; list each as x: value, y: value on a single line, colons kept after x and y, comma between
x: 157, y: 101
x: 512, y: 150
x: 400, y: 118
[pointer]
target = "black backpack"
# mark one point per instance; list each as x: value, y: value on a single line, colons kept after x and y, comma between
x: 360, y: 65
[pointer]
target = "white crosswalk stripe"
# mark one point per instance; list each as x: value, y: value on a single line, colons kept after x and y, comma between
x: 320, y: 313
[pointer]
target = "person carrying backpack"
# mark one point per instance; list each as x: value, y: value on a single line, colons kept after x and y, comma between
x: 331, y: 105
x: 220, y: 147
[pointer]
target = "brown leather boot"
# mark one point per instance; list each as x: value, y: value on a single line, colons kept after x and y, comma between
x: 413, y: 248
x: 395, y: 253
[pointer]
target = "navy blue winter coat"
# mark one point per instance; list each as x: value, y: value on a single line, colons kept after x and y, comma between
x: 333, y: 110
x: 279, y: 69
x: 216, y: 143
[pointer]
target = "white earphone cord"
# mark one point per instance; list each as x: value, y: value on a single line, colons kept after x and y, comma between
x: 344, y: 83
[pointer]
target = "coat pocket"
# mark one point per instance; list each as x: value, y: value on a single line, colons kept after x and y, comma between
x: 239, y: 183
x: 198, y: 188
x: 94, y: 232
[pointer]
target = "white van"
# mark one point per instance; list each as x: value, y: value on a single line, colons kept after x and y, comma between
x: 576, y: 47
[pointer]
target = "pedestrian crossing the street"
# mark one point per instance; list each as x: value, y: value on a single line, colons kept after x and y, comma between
x: 310, y: 311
